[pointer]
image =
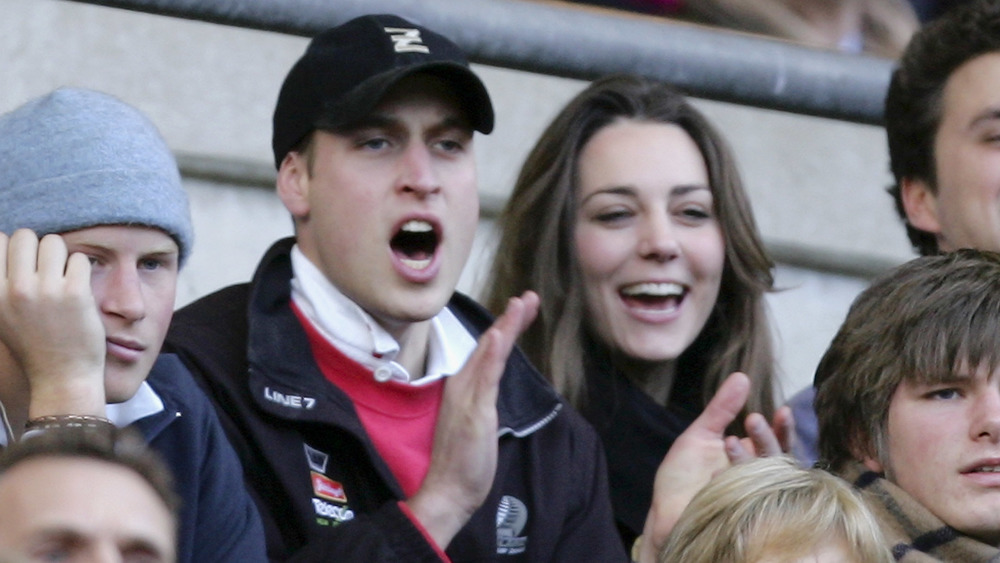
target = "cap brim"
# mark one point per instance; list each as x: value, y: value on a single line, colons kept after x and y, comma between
x: 359, y: 102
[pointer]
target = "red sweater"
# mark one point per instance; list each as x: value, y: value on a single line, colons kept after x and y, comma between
x: 399, y: 418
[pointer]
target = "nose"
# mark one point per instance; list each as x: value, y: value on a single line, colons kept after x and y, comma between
x: 120, y: 294
x: 986, y: 416
x: 658, y: 238
x: 417, y: 171
x: 105, y: 551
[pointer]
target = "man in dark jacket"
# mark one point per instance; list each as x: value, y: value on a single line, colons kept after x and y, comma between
x: 371, y: 425
x: 84, y: 310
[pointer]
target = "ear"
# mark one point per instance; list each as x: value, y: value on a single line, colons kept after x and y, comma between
x: 873, y: 464
x: 293, y: 184
x: 920, y: 204
x: 864, y: 451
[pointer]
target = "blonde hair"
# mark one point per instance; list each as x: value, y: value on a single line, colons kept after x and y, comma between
x: 772, y: 507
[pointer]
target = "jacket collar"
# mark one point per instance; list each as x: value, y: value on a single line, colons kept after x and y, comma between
x: 286, y: 382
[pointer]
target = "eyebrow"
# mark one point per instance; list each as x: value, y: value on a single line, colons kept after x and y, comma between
x: 989, y: 114
x: 370, y: 121
x: 685, y: 189
x: 948, y: 377
x: 161, y: 253
x: 629, y: 191
x: 143, y: 544
x: 75, y: 538
x: 84, y: 246
x: 390, y: 122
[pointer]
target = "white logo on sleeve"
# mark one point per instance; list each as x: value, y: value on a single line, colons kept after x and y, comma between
x: 512, y: 515
x: 407, y: 40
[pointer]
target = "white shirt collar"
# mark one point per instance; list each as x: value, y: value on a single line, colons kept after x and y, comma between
x: 144, y: 403
x: 360, y: 337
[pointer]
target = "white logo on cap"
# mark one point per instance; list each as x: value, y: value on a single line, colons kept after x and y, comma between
x: 407, y: 40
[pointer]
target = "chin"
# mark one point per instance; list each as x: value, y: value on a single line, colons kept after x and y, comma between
x: 418, y: 314
x: 120, y: 386
x: 423, y: 305
x: 651, y: 353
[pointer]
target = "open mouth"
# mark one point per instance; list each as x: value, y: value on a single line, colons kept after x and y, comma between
x: 415, y: 244
x: 656, y: 296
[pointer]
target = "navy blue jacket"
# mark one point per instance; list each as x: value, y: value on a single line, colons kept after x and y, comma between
x: 324, y: 492
x: 218, y: 521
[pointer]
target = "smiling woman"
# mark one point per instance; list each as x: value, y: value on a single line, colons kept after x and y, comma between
x: 630, y: 222
x: 648, y: 243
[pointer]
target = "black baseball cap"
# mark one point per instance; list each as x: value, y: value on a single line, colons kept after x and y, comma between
x: 347, y: 69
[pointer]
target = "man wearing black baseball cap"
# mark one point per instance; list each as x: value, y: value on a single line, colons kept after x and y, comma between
x: 332, y: 369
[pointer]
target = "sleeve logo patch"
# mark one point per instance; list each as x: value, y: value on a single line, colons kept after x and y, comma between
x: 512, y: 516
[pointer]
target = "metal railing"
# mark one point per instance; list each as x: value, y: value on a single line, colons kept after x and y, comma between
x: 561, y: 39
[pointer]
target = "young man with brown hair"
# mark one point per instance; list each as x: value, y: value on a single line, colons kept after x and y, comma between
x: 908, y: 401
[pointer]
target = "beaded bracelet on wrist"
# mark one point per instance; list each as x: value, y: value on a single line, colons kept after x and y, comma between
x: 68, y: 421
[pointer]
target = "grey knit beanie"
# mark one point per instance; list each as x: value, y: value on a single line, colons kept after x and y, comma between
x: 78, y: 158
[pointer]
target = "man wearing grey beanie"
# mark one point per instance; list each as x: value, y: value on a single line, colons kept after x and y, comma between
x: 94, y: 226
